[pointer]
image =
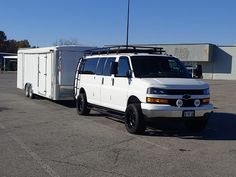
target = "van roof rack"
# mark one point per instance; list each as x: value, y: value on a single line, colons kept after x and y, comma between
x: 126, y: 49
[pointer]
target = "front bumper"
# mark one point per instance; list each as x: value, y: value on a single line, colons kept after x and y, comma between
x: 162, y: 110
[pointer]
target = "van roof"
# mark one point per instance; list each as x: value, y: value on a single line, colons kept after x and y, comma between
x: 124, y: 54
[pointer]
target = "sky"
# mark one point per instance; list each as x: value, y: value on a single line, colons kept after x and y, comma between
x: 103, y: 22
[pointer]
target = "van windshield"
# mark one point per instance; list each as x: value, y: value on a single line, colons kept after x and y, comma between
x: 158, y: 66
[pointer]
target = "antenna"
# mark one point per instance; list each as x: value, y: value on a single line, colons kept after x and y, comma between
x: 127, y: 26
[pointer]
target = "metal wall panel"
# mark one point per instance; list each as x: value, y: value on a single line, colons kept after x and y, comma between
x: 189, y: 52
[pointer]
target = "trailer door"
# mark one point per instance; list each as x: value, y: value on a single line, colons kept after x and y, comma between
x: 42, y: 73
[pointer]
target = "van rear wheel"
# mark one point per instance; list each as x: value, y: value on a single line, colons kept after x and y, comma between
x: 27, y: 90
x: 31, y: 94
x: 82, y: 105
x: 134, y: 120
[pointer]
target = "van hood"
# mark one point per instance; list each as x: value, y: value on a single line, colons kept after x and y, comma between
x: 175, y: 83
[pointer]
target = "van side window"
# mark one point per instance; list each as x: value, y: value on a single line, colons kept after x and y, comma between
x: 107, y: 67
x: 90, y: 66
x: 123, y: 67
x: 100, y: 66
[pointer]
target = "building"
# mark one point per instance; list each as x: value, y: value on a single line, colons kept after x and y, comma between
x: 218, y: 62
x: 8, y: 61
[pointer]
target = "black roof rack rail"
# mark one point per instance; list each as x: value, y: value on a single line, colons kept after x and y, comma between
x: 126, y: 49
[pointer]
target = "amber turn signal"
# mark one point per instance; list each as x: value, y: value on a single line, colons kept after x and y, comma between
x: 206, y: 100
x: 156, y: 100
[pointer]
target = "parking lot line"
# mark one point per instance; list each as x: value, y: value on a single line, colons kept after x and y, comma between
x: 38, y: 159
x: 149, y: 142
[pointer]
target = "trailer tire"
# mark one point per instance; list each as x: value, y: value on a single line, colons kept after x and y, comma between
x: 82, y: 105
x: 31, y: 94
x: 27, y: 90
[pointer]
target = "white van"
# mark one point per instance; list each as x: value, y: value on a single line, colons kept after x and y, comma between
x: 48, y: 72
x: 140, y: 83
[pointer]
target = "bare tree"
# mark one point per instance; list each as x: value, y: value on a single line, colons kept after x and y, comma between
x: 61, y: 42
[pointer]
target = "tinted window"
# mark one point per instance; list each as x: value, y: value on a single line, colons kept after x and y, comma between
x: 107, y: 68
x: 90, y: 66
x: 158, y: 66
x: 100, y: 66
x: 123, y: 67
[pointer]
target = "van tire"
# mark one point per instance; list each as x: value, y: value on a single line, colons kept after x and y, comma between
x: 134, y: 119
x: 196, y: 125
x: 31, y: 94
x: 27, y: 90
x: 82, y: 105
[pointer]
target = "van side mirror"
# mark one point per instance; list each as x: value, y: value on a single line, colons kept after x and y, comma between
x: 114, y: 68
x: 199, y: 71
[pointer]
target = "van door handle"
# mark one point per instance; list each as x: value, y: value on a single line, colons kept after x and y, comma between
x: 112, y: 80
x: 102, y: 80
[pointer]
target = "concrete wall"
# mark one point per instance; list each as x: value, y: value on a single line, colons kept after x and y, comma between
x: 190, y: 52
x: 223, y: 65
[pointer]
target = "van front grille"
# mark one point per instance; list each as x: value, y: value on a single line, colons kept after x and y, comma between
x: 184, y: 92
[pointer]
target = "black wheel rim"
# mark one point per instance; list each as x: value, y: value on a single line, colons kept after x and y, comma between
x: 26, y: 92
x: 30, y: 92
x: 131, y: 119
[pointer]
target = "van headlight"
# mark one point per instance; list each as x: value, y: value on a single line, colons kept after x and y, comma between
x: 153, y: 90
x: 206, y: 91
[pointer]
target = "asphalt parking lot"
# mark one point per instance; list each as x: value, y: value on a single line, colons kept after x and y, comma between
x: 40, y: 138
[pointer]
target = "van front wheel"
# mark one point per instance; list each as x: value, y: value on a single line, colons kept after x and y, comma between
x: 134, y: 120
x: 82, y: 105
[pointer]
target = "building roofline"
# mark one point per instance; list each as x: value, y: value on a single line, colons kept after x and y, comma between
x: 178, y: 44
x: 226, y: 46
x: 4, y: 53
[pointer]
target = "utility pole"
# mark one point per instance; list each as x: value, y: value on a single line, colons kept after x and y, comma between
x: 127, y: 26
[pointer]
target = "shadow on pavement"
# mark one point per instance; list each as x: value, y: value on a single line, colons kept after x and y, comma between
x: 67, y: 103
x: 221, y: 126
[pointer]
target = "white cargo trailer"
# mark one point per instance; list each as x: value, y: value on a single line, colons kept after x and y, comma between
x: 48, y: 72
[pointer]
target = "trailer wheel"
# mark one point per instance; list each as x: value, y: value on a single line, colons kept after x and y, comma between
x: 27, y: 90
x: 82, y: 105
x: 134, y: 120
x: 31, y: 94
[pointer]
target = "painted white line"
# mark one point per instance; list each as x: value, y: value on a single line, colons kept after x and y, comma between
x: 46, y: 167
x: 151, y: 143
x: 40, y: 161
